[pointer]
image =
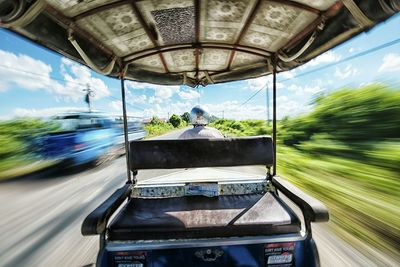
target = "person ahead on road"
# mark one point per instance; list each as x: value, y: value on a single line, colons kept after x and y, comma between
x: 199, y: 118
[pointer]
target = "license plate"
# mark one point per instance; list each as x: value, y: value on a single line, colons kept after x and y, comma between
x: 130, y: 265
x: 277, y: 259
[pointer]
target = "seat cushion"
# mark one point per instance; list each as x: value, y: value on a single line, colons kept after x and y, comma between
x: 202, y: 217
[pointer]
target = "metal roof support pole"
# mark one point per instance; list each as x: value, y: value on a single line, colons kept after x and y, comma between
x: 274, y: 61
x: 128, y: 170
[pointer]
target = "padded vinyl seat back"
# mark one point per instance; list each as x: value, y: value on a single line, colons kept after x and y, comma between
x: 196, y: 153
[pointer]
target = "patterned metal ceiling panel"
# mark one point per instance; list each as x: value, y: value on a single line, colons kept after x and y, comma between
x: 120, y: 20
x: 221, y: 21
x: 172, y: 20
x: 119, y: 29
x: 276, y: 16
x: 220, y: 35
x: 318, y: 4
x: 244, y: 59
x: 259, y: 39
x: 183, y: 60
x: 226, y: 11
x: 151, y: 63
x: 275, y: 24
x: 72, y: 8
x: 176, y: 25
x: 214, y: 59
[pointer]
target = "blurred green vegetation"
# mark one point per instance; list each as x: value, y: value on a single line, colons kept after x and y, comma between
x: 241, y: 128
x: 18, y: 143
x: 176, y: 121
x: 345, y: 152
x: 158, y: 127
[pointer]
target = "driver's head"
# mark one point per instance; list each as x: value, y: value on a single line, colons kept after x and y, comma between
x: 199, y: 116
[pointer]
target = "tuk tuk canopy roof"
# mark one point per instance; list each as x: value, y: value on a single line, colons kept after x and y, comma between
x: 192, y: 42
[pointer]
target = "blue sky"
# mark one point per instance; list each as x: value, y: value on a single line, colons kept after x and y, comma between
x: 37, y: 82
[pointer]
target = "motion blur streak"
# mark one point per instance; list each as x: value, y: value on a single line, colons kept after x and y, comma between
x: 346, y: 151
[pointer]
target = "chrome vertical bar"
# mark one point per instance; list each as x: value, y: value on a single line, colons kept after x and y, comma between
x: 128, y: 171
x: 274, y: 111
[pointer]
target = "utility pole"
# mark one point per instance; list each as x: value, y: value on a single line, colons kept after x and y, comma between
x: 267, y: 90
x: 89, y: 94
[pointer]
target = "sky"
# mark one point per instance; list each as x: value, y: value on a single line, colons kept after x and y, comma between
x: 35, y: 82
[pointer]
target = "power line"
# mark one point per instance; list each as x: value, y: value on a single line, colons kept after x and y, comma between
x: 251, y: 97
x: 363, y: 53
x: 133, y: 106
x: 38, y: 74
x: 61, y: 80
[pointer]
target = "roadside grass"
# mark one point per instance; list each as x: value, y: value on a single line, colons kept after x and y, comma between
x: 241, y: 128
x: 155, y: 130
x: 17, y: 146
x: 157, y: 127
x: 362, y: 198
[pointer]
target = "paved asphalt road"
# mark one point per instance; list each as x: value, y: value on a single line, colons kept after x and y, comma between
x: 40, y: 218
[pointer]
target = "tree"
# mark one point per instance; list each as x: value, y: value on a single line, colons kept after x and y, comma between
x: 186, y: 117
x: 155, y: 121
x: 175, y: 120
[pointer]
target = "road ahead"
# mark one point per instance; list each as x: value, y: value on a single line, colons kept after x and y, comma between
x: 41, y: 217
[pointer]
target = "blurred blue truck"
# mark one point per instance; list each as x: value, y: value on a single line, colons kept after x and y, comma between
x: 86, y: 136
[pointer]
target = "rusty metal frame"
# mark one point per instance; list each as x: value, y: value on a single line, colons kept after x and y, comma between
x: 180, y: 48
x: 245, y: 27
x: 198, y: 46
x: 169, y: 48
x: 331, y: 11
x: 68, y: 23
x: 251, y: 49
x: 197, y: 35
x: 100, y: 9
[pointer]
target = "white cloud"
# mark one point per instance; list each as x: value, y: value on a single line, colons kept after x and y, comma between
x: 189, y: 94
x: 300, y: 90
x: 23, y: 71
x: 43, y: 113
x: 260, y: 82
x: 165, y: 92
x: 133, y: 99
x: 354, y: 49
x: 137, y: 85
x: 391, y: 63
x: 231, y: 109
x: 28, y: 73
x: 161, y: 91
x: 327, y: 57
x: 287, y: 74
x: 139, y: 99
x: 116, y: 106
x: 155, y: 100
x: 78, y: 77
x: 116, y: 109
x: 347, y: 72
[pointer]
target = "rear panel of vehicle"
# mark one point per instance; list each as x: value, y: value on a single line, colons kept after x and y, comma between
x: 274, y: 254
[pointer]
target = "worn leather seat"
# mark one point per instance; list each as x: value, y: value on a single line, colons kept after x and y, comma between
x: 203, y: 217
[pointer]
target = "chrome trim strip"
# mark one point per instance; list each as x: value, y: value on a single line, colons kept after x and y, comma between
x: 191, y: 243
